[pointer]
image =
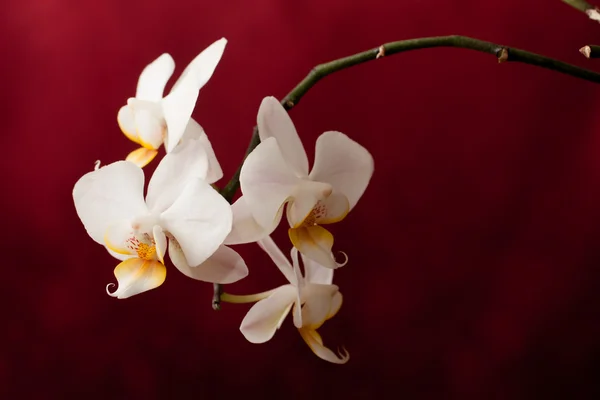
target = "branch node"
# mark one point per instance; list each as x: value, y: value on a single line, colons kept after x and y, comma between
x: 502, y: 55
x: 380, y: 52
x: 586, y: 51
x: 593, y: 14
x: 289, y: 104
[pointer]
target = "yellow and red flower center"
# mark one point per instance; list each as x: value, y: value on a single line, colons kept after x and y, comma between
x: 145, y: 251
x: 318, y: 212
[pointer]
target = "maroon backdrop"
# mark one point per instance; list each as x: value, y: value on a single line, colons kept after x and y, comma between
x: 473, y: 254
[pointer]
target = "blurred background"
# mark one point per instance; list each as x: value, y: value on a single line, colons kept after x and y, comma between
x: 474, y: 252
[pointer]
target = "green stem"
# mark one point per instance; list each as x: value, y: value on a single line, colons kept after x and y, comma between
x: 240, y: 299
x: 581, y: 5
x: 501, y: 52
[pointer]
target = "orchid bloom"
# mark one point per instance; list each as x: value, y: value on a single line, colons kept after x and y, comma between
x: 276, y: 173
x: 180, y: 208
x: 150, y: 120
x: 313, y: 298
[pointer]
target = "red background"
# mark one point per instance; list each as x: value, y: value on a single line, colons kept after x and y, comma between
x: 473, y: 254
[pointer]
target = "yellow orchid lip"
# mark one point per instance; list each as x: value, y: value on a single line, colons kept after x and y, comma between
x: 315, y: 242
x: 141, y: 156
x: 137, y: 275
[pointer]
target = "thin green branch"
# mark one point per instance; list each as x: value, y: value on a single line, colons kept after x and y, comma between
x: 581, y: 5
x: 502, y: 53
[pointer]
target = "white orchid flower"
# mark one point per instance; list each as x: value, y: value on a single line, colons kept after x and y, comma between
x: 276, y: 173
x: 150, y: 120
x: 313, y: 297
x: 180, y: 208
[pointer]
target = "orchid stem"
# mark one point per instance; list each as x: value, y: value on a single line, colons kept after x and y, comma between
x: 502, y: 53
x: 250, y: 298
x: 581, y: 5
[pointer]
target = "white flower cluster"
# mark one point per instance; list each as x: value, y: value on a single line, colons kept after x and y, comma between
x: 183, y: 214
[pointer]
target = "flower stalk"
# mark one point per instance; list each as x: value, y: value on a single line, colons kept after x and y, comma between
x: 502, y: 53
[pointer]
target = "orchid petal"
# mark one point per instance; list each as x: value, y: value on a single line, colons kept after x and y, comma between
x: 244, y: 228
x: 316, y: 273
x: 268, y: 246
x: 224, y: 266
x: 173, y: 173
x: 200, y: 220
x: 177, y: 110
x: 343, y: 163
x: 136, y: 275
x: 317, y: 305
x: 334, y: 209
x: 315, y: 242
x: 107, y: 195
x: 115, y: 240
x: 314, y: 341
x: 126, y: 121
x: 142, y: 156
x: 265, y: 317
x: 274, y: 121
x: 202, y: 67
x: 154, y: 78
x: 305, y: 199
x: 116, y: 236
x: 149, y: 127
x: 299, y: 283
x: 336, y: 304
x: 160, y: 241
x: 195, y: 131
x: 267, y: 183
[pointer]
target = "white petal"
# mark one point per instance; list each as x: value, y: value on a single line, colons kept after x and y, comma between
x: 274, y: 121
x: 136, y: 276
x: 318, y: 301
x: 224, y: 266
x: 267, y: 183
x: 316, y: 273
x: 203, y: 65
x: 332, y: 209
x: 154, y: 77
x: 305, y: 198
x: 314, y: 341
x: 116, y: 236
x: 195, y: 131
x: 149, y: 127
x: 244, y: 228
x: 265, y: 317
x: 174, y: 172
x: 160, y: 241
x: 126, y: 120
x: 343, y: 163
x: 200, y: 220
x: 336, y: 304
x: 299, y: 283
x: 268, y: 246
x: 107, y: 195
x: 177, y: 110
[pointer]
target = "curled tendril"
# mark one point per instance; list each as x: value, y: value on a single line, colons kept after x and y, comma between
x: 345, y: 260
x: 107, y: 290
